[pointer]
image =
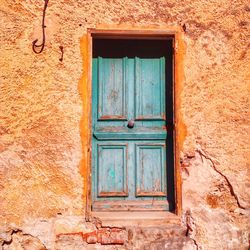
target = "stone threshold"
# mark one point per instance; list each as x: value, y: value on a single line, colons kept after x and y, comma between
x: 138, y: 219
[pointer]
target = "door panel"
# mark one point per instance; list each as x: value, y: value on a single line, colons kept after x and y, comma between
x: 129, y: 164
x: 112, y: 170
x: 111, y: 89
x: 150, y: 89
x: 150, y: 169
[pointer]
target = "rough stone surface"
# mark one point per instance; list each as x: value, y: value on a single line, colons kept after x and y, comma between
x: 153, y: 238
x: 41, y: 187
x: 20, y: 241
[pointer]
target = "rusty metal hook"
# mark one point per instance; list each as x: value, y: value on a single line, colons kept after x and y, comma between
x: 41, y: 46
x: 62, y: 52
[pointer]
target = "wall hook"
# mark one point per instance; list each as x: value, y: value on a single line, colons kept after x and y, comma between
x: 62, y: 52
x: 39, y: 48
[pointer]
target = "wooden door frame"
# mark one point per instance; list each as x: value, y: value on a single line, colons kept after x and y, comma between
x: 85, y: 88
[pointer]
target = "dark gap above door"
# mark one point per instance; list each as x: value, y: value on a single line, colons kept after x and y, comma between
x: 118, y: 48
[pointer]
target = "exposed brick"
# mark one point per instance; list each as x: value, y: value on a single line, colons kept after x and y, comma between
x: 91, y: 239
x: 112, y: 236
x: 115, y: 229
x: 103, y: 236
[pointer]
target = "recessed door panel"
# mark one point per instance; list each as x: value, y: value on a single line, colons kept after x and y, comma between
x: 112, y: 170
x: 150, y: 88
x: 150, y: 169
x: 111, y: 89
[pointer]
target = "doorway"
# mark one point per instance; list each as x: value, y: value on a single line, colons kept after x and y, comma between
x: 132, y: 124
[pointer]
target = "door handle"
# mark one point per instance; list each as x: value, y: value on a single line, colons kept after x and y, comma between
x: 131, y: 123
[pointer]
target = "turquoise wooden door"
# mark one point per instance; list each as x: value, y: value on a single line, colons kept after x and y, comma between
x: 129, y: 134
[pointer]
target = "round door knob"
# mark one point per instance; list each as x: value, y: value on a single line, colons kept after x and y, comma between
x: 131, y: 123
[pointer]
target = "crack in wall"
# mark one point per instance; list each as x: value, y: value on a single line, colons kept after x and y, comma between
x: 195, y: 242
x: 205, y: 155
x: 190, y: 224
x: 10, y: 239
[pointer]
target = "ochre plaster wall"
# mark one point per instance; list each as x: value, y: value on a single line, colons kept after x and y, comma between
x: 42, y: 122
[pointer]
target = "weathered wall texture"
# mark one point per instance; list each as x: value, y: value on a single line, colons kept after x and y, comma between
x: 41, y: 108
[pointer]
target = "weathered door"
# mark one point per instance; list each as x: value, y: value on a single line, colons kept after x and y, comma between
x: 129, y: 133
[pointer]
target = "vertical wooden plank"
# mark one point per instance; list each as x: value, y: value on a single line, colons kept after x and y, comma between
x: 130, y: 82
x: 95, y: 75
x: 162, y: 74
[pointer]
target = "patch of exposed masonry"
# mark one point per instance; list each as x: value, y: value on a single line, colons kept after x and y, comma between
x: 97, y: 235
x: 188, y: 218
x: 203, y: 155
x: 16, y: 239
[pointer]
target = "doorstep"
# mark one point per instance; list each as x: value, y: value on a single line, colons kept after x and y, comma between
x: 141, y: 219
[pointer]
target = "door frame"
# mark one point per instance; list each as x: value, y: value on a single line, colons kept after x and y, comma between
x: 85, y: 89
